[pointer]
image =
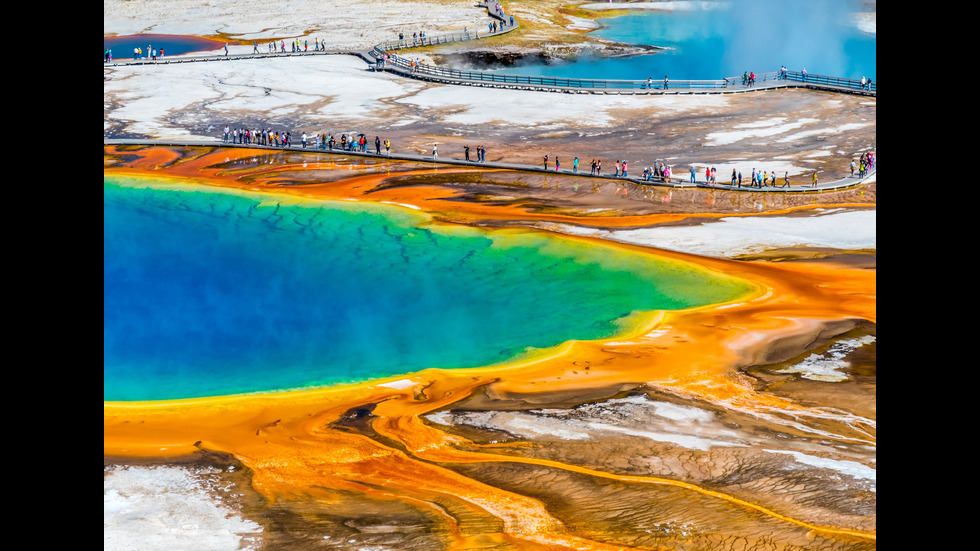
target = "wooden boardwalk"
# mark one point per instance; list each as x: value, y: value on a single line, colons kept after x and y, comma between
x: 676, y: 180
x: 386, y: 57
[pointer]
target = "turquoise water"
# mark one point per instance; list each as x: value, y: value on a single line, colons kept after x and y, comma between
x: 216, y: 293
x: 747, y: 35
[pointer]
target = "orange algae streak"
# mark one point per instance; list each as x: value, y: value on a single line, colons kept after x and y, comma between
x: 291, y: 445
x: 294, y: 446
x: 432, y: 444
x: 245, y: 169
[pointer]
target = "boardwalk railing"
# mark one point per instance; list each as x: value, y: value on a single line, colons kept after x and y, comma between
x: 832, y: 82
x: 404, y: 65
x: 386, y: 59
x: 768, y: 80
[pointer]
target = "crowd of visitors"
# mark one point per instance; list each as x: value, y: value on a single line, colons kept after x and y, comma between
x: 138, y: 53
x: 867, y: 162
x: 323, y: 141
x: 658, y: 172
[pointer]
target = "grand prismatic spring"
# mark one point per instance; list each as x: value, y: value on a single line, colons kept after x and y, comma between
x: 318, y: 350
x: 520, y: 389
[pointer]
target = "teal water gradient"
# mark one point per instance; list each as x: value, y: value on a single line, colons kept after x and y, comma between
x: 724, y: 39
x: 210, y: 292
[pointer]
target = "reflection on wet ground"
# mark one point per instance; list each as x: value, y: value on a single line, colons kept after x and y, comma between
x: 746, y: 425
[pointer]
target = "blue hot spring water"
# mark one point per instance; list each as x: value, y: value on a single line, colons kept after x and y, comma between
x: 725, y: 39
x: 215, y: 292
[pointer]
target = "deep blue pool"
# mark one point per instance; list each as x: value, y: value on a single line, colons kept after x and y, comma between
x: 123, y: 46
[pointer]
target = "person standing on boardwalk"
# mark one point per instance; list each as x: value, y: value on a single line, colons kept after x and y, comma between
x: 435, y: 151
x: 466, y: 152
x: 786, y: 179
x: 625, y: 174
x: 665, y: 82
x: 617, y: 169
x: 377, y: 145
x: 575, y: 165
x: 388, y: 147
x: 598, y: 167
x: 557, y: 164
x: 546, y: 162
x: 814, y: 179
